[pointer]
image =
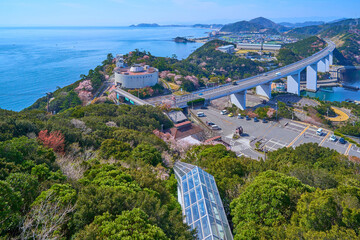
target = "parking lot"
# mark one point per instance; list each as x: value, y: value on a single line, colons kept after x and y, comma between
x: 271, y: 135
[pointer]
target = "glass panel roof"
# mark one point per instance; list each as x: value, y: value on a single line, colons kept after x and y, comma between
x: 201, y: 203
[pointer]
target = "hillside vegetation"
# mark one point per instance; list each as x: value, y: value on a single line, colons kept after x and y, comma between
x: 95, y: 172
x: 345, y: 33
x: 294, y: 52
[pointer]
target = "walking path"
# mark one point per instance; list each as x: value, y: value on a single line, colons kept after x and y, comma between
x: 340, y: 116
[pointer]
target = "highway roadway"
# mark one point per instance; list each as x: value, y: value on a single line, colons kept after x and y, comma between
x: 248, y: 83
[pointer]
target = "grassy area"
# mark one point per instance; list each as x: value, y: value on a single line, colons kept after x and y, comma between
x: 174, y: 86
x: 180, y: 93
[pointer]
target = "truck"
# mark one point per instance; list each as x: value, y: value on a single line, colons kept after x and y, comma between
x: 278, y: 73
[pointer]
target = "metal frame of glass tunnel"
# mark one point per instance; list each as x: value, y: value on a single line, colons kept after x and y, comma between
x: 200, y: 202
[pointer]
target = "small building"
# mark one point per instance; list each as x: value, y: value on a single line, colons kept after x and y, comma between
x: 177, y: 117
x: 227, y: 49
x: 200, y: 202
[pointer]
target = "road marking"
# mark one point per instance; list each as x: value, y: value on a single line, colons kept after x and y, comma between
x: 322, y: 142
x: 347, y: 150
x: 227, y: 121
x: 298, y: 136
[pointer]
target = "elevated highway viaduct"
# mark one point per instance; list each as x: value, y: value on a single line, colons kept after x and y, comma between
x: 318, y: 62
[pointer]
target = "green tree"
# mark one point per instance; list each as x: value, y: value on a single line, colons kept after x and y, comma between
x: 116, y: 149
x: 10, y: 206
x: 266, y: 202
x: 27, y: 185
x: 129, y: 225
x: 147, y: 154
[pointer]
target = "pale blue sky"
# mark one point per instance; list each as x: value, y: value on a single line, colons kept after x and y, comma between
x: 126, y: 12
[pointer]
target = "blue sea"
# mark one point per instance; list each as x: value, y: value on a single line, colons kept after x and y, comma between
x: 34, y: 61
x: 352, y: 78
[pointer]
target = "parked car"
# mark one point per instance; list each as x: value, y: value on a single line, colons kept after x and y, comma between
x: 256, y: 119
x: 223, y: 112
x: 203, y: 107
x: 210, y: 123
x: 263, y: 101
x: 342, y: 141
x: 264, y: 120
x: 215, y: 127
x: 201, y: 114
x: 333, y: 138
x: 247, y: 118
x: 319, y: 132
x: 234, y: 83
x: 230, y: 115
x: 239, y: 116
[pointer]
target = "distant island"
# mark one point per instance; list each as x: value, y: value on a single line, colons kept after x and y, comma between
x: 198, y: 25
x: 146, y: 25
x: 182, y: 40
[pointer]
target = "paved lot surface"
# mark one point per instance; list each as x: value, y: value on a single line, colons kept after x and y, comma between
x: 272, y: 135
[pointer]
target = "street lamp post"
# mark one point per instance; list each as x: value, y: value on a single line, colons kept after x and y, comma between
x: 276, y: 111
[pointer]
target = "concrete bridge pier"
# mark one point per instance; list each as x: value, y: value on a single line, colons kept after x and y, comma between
x: 293, y: 83
x: 331, y: 58
x: 327, y: 63
x: 264, y: 90
x: 321, y: 65
x: 311, y: 77
x: 239, y: 99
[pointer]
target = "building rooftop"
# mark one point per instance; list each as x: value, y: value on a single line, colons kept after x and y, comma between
x: 177, y: 116
x: 200, y: 202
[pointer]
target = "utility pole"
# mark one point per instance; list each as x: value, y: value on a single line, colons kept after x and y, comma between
x: 327, y: 112
x: 276, y: 111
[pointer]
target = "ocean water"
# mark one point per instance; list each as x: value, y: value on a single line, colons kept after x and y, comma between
x: 352, y: 78
x: 34, y: 61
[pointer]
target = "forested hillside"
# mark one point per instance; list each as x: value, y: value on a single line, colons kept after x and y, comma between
x: 345, y: 33
x: 95, y: 172
x: 304, y: 48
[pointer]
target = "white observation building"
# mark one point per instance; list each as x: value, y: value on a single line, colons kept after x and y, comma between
x: 136, y: 76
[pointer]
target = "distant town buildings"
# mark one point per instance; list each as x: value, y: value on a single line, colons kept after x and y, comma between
x: 251, y: 46
x: 136, y: 76
x: 200, y: 202
x: 227, y: 49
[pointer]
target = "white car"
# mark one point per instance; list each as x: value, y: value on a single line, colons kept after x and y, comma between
x: 333, y: 138
x: 319, y: 132
x: 201, y: 114
x: 223, y: 112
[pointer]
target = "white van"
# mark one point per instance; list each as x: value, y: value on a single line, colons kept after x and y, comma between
x: 200, y: 114
x: 215, y: 127
x: 319, y: 131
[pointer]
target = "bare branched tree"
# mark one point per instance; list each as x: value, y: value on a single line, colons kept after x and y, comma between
x: 46, y: 219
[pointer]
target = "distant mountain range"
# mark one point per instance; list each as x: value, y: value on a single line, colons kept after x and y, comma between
x: 304, y: 24
x: 259, y: 24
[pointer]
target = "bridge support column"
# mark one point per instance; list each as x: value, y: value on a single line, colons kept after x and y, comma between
x: 264, y: 90
x: 293, y: 83
x: 321, y: 65
x: 331, y: 58
x: 327, y: 63
x: 239, y: 99
x: 311, y: 77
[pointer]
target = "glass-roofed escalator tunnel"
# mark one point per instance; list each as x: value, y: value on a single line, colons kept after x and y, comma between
x: 200, y: 202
